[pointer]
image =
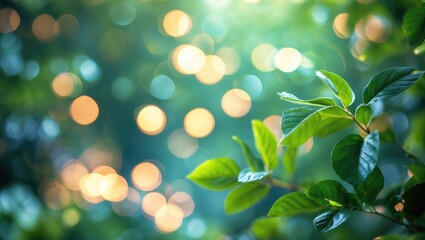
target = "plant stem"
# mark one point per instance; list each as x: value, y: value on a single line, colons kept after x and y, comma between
x: 283, y: 184
x: 390, y: 219
x: 366, y: 130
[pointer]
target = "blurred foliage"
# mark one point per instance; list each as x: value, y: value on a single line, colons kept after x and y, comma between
x: 115, y: 51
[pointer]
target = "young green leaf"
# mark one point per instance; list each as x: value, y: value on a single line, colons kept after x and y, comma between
x: 298, y: 125
x: 244, y: 196
x: 247, y: 176
x: 369, y: 190
x: 266, y: 144
x: 332, y: 119
x: 363, y: 114
x: 338, y: 85
x: 414, y: 25
x: 389, y: 83
x: 417, y: 171
x: 322, y: 101
x: 414, y: 201
x: 267, y: 228
x: 292, y: 204
x: 329, y: 193
x: 253, y: 162
x: 353, y: 158
x: 289, y: 159
x: 216, y: 174
x: 331, y: 219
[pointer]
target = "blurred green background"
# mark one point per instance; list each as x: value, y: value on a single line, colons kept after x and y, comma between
x: 106, y: 105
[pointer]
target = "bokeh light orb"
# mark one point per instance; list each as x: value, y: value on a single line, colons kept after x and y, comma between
x: 84, y: 110
x: 168, y: 218
x: 231, y: 60
x: 151, y: 120
x: 146, y: 176
x: 122, y: 13
x: 213, y: 70
x: 45, y: 28
x: 152, y: 202
x: 66, y: 84
x: 181, y: 144
x: 188, y: 59
x: 56, y: 196
x: 262, y: 57
x: 236, y: 103
x: 90, y: 184
x: 184, y: 201
x: 340, y: 25
x: 72, y: 173
x: 162, y: 87
x: 177, y: 23
x: 9, y: 20
x: 130, y: 205
x: 199, y: 122
x: 113, y: 187
x: 288, y: 59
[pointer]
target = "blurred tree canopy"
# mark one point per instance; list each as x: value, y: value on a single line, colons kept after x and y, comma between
x: 106, y: 106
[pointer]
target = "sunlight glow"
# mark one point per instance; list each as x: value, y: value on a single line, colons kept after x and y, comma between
x: 84, y: 110
x: 236, y: 103
x: 151, y: 120
x: 184, y: 201
x: 146, y: 176
x: 199, y: 122
x: 262, y: 57
x: 72, y: 174
x: 113, y: 188
x: 168, y: 218
x: 152, y: 202
x: 213, y: 70
x: 177, y: 23
x: 288, y: 59
x: 188, y: 59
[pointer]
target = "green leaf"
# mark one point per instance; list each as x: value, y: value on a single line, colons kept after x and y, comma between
x: 332, y: 119
x: 331, y: 219
x: 414, y: 201
x: 369, y: 190
x: 363, y: 114
x: 414, y: 25
x: 267, y: 228
x: 299, y: 124
x: 292, y: 204
x: 289, y: 159
x: 253, y: 162
x: 248, y: 176
x: 216, y: 174
x: 418, y: 175
x: 322, y: 101
x: 266, y: 144
x: 329, y: 193
x: 389, y: 83
x: 353, y: 158
x: 355, y: 200
x: 244, y: 196
x: 338, y: 85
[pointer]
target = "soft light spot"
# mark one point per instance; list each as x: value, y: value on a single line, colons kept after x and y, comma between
x: 84, y: 110
x: 230, y: 58
x: 66, y: 84
x: 89, y: 70
x: 262, y: 57
x: 9, y: 20
x: 184, y: 201
x: 320, y: 14
x: 146, y: 176
x: 273, y: 123
x: 96, y: 156
x: 152, y: 202
x: 151, y: 120
x: 288, y: 59
x: 196, y: 228
x: 162, y: 87
x: 71, y: 217
x: 104, y: 170
x: 123, y: 88
x: 340, y: 25
x: 113, y: 187
x: 199, y: 122
x: 122, y: 13
x: 72, y: 174
x: 252, y: 1
x: 129, y: 205
x: 90, y: 184
x: 373, y: 28
x: 168, y: 218
x: 399, y: 207
x: 69, y: 25
x: 188, y: 59
x: 56, y: 196
x: 181, y: 144
x: 45, y: 28
x: 177, y: 23
x: 213, y: 70
x: 236, y: 103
